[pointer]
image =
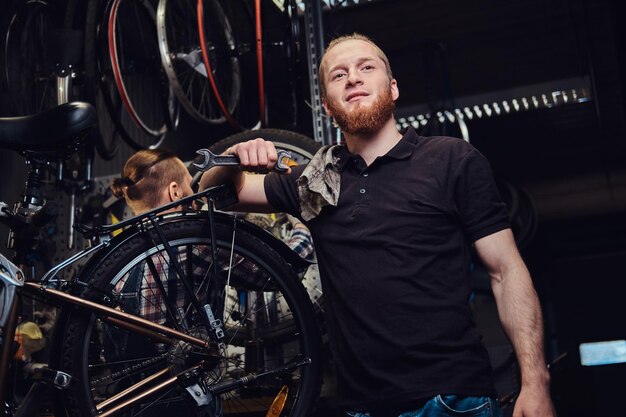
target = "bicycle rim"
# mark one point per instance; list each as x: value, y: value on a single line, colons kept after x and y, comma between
x: 135, y: 71
x: 181, y: 57
x: 268, y: 322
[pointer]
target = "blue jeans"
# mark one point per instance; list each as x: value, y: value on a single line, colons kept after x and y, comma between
x: 450, y: 406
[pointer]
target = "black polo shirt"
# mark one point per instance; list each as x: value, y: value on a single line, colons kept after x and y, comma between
x: 394, y: 258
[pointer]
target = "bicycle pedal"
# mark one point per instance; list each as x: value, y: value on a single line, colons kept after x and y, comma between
x: 58, y: 379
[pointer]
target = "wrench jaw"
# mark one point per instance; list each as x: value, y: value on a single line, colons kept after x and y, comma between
x: 282, y: 164
x: 204, y: 166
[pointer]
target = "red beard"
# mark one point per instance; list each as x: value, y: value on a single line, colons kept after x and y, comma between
x: 364, y: 121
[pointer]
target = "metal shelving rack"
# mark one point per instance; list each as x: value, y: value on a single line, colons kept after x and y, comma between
x: 314, y: 34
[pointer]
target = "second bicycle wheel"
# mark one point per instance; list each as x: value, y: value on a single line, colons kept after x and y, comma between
x: 267, y: 320
x: 27, y: 61
x: 133, y: 69
x: 181, y: 55
x: 301, y: 147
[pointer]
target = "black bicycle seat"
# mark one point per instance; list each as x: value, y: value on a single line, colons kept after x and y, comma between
x: 50, y: 131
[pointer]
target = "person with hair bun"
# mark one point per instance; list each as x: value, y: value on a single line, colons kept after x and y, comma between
x: 151, y: 178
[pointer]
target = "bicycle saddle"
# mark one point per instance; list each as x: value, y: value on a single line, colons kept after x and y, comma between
x: 50, y: 131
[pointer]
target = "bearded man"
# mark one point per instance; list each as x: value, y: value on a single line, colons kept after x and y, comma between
x: 393, y: 217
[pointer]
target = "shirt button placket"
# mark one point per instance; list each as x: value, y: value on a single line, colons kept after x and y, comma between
x: 363, y: 190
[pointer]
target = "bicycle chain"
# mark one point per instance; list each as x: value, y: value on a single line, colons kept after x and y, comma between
x: 128, y: 371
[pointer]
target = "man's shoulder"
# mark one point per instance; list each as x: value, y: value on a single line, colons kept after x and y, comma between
x: 445, y: 142
x: 445, y: 147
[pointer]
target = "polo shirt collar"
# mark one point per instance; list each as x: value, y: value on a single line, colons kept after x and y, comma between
x: 403, y: 149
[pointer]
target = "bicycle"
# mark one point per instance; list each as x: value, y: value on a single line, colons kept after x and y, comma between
x: 173, y: 313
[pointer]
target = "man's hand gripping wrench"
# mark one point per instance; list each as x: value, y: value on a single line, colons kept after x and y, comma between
x: 211, y: 160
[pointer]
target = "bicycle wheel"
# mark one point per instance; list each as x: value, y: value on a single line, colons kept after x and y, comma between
x: 132, y: 74
x: 268, y: 322
x: 301, y: 147
x: 292, y: 54
x: 105, y: 136
x: 28, y: 66
x: 181, y: 55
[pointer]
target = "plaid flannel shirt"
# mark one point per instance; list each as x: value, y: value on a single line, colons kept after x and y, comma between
x: 151, y: 303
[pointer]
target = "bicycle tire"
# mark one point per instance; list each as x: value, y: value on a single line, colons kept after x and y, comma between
x: 125, y: 67
x: 179, y: 44
x: 293, y: 53
x: 12, y: 22
x: 101, y: 90
x: 105, y: 139
x: 301, y: 147
x: 291, y: 329
x: 27, y: 65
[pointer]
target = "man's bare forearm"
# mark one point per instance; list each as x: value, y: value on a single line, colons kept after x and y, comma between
x: 520, y: 315
x: 222, y: 175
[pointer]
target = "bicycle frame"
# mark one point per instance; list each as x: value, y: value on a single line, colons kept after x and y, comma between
x: 154, y: 331
x: 13, y: 284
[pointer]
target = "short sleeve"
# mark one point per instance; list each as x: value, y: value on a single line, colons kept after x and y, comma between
x: 282, y: 191
x: 476, y: 196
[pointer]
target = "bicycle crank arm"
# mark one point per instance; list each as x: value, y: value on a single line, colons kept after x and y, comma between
x: 211, y: 160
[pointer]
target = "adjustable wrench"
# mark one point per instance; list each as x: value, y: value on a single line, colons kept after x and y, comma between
x: 211, y: 160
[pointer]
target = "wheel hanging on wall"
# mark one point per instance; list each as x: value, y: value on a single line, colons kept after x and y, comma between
x: 181, y: 57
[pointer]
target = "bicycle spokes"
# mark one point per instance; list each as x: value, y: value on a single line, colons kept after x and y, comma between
x: 256, y: 340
